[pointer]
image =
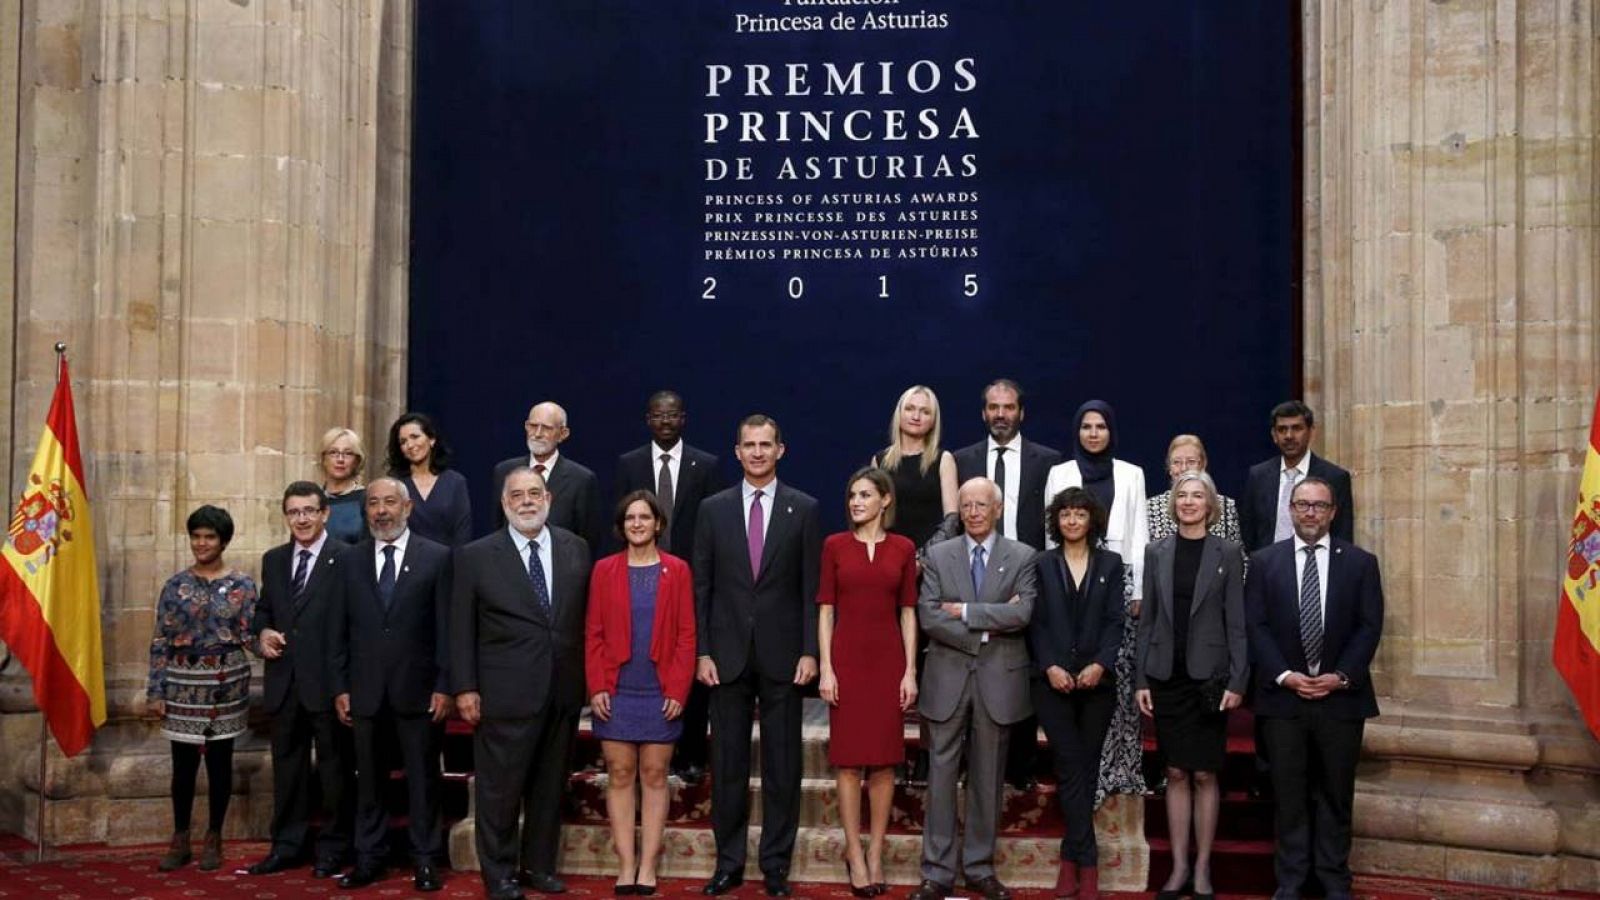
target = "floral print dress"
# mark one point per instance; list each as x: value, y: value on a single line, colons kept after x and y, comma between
x: 197, y: 655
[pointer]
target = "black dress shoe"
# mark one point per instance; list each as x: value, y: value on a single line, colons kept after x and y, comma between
x: 722, y: 882
x: 777, y: 884
x: 426, y: 878
x: 541, y: 882
x: 692, y: 775
x: 990, y: 887
x: 326, y: 868
x: 931, y: 890
x: 272, y: 862
x: 643, y: 890
x: 360, y: 877
x: 505, y: 890
x: 624, y: 890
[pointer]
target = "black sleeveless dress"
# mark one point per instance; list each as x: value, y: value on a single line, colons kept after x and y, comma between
x: 918, y: 502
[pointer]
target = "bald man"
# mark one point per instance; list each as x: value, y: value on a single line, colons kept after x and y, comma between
x: 574, y: 490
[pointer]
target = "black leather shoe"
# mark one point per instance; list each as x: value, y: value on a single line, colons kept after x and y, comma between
x: 326, y: 868
x: 426, y: 878
x: 722, y: 882
x: 643, y: 890
x: 777, y: 884
x: 272, y: 862
x: 541, y: 882
x: 505, y: 890
x: 360, y: 877
x: 931, y: 890
x: 990, y: 887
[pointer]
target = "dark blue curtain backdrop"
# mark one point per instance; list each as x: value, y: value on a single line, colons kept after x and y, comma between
x: 1136, y: 227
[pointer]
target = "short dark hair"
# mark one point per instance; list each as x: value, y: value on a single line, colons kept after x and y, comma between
x: 1006, y: 383
x: 305, y: 489
x: 1312, y: 479
x: 1076, y: 498
x: 438, y: 460
x: 879, y: 479
x: 756, y: 420
x: 663, y: 396
x: 213, y: 517
x: 1294, y: 409
x: 648, y: 498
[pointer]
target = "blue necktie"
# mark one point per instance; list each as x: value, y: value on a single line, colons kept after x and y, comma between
x: 541, y: 589
x: 977, y: 572
x: 386, y: 578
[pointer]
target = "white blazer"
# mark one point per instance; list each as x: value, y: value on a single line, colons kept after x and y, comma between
x: 1127, y: 522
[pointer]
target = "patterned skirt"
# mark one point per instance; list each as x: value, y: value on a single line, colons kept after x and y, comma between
x: 207, y: 694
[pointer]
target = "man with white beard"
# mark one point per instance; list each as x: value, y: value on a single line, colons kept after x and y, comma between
x: 516, y: 651
x: 574, y: 502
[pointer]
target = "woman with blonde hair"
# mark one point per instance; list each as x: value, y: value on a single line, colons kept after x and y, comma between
x: 342, y: 461
x: 924, y: 474
x: 1187, y: 452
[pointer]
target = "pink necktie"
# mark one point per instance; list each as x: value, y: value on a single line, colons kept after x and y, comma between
x: 755, y: 535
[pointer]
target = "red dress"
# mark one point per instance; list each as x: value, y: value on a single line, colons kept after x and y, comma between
x: 869, y: 656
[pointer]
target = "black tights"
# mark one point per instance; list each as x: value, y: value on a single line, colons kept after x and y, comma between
x: 219, y: 777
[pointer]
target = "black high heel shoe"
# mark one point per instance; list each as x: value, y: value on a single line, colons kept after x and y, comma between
x: 866, y: 890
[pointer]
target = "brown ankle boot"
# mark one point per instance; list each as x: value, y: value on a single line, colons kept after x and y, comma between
x: 1089, y: 883
x: 211, y: 852
x: 1067, y: 879
x: 178, y: 854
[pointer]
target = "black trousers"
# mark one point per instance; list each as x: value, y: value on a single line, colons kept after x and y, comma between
x: 693, y: 745
x: 733, y: 707
x: 1314, y: 777
x: 521, y: 767
x: 295, y: 732
x: 418, y: 739
x: 1075, y: 723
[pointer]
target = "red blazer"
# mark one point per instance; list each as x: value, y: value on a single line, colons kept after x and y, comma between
x: 608, y: 638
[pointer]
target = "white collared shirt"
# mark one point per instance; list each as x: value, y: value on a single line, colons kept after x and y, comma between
x: 399, y: 553
x: 1012, y: 487
x: 549, y: 464
x: 541, y: 542
x: 748, y: 491
x: 316, y: 551
x: 674, y: 462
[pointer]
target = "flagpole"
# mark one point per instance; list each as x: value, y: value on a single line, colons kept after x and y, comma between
x: 44, y: 723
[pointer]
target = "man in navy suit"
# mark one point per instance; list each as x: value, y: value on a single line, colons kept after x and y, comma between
x: 681, y: 476
x: 574, y: 489
x: 1264, y: 516
x: 757, y: 552
x: 299, y: 583
x: 390, y: 669
x: 1314, y: 612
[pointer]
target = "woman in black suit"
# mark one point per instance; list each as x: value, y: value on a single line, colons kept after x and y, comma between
x: 1073, y: 638
x: 1191, y: 668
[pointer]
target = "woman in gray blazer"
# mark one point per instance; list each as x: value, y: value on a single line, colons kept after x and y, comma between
x: 1191, y: 668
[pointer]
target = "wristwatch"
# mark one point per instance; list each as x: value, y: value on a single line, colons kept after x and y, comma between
x: 1344, y: 681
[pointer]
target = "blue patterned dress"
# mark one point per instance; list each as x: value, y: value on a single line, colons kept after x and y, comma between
x: 636, y: 714
x: 197, y: 659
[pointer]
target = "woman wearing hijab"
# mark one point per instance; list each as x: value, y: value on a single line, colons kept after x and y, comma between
x: 1119, y: 487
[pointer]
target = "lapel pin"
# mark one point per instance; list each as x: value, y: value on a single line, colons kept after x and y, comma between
x: 1219, y: 570
x: 789, y: 510
x: 405, y: 568
x: 1102, y: 579
x: 1000, y: 571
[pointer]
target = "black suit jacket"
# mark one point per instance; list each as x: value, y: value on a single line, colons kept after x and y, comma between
x: 773, y: 615
x: 972, y: 462
x: 502, y: 644
x: 1352, y: 626
x: 1258, y: 509
x: 302, y: 671
x: 697, y: 479
x: 1090, y: 630
x: 575, y: 503
x: 402, y: 656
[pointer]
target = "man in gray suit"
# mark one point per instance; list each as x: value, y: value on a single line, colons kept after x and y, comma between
x: 977, y: 596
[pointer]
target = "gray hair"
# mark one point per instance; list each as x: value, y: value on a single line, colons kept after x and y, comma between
x: 1213, y: 504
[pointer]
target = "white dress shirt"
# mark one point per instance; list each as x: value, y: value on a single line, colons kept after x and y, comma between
x: 1283, y: 521
x: 1008, y: 514
x: 749, y: 492
x: 399, y: 544
x: 541, y: 543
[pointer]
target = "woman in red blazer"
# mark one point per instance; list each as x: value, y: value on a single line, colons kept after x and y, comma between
x: 639, y: 661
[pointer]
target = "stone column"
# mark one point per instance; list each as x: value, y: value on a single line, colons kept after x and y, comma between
x: 1452, y: 353
x: 212, y: 213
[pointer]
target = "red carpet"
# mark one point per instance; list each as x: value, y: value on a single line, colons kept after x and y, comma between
x: 91, y: 873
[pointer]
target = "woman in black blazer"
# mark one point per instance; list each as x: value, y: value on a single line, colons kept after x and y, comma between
x: 1191, y: 668
x: 1073, y: 638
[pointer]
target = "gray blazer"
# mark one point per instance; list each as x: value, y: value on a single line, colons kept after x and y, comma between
x: 1218, y: 642
x: 956, y: 650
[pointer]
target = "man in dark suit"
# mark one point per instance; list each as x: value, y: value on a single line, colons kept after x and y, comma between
x: 299, y: 583
x: 574, y: 502
x: 1314, y: 610
x: 1264, y: 516
x: 1019, y: 467
x: 516, y: 635
x: 682, y: 476
x: 757, y: 549
x: 390, y: 670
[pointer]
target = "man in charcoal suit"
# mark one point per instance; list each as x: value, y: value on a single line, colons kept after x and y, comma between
x: 574, y: 489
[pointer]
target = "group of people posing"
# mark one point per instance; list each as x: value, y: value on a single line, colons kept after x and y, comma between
x: 991, y: 590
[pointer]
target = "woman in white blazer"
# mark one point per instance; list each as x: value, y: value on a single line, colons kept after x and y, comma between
x: 1119, y: 486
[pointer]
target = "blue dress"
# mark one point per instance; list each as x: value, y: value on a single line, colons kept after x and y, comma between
x: 636, y: 714
x: 347, y: 516
x: 446, y: 516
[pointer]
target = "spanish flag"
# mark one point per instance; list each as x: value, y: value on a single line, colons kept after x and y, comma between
x: 1577, y: 644
x: 49, y: 597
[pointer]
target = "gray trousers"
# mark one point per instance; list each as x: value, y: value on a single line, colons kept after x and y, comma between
x: 984, y: 741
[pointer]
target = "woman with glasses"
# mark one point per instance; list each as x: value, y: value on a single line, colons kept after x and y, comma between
x: 1186, y: 452
x: 342, y: 462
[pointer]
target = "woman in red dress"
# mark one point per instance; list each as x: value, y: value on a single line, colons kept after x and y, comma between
x: 867, y: 633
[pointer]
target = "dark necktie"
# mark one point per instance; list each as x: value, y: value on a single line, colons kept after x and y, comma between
x: 664, y: 492
x: 386, y: 578
x: 1000, y: 480
x: 300, y: 567
x: 541, y: 588
x: 755, y: 535
x: 539, y: 467
x: 1311, y: 612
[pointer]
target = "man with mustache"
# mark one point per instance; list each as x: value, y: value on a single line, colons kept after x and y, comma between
x: 574, y: 502
x: 517, y: 662
x: 389, y: 669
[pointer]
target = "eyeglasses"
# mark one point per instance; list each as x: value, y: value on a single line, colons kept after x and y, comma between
x: 1320, y: 506
x: 304, y: 512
